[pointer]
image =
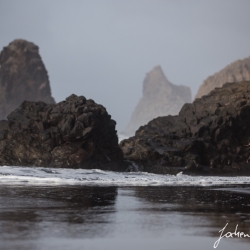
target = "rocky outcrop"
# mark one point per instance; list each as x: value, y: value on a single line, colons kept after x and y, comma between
x: 76, y: 133
x: 160, y: 98
x: 235, y: 72
x: 211, y: 135
x: 22, y: 76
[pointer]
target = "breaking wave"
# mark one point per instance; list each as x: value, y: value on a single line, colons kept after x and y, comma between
x: 95, y: 177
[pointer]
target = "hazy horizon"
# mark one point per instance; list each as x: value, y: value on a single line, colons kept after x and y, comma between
x: 103, y: 49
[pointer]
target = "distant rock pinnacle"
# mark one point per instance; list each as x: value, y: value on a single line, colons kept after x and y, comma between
x: 22, y: 76
x: 160, y: 98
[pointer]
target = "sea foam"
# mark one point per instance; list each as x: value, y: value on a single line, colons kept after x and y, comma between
x: 13, y: 175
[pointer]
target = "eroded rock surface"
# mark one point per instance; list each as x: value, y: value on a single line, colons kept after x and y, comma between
x: 160, y: 98
x: 235, y: 72
x: 211, y: 135
x: 23, y: 76
x: 76, y: 133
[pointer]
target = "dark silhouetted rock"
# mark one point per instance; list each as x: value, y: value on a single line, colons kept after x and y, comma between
x: 76, y: 133
x: 211, y: 135
x: 160, y: 98
x: 235, y: 72
x: 22, y: 77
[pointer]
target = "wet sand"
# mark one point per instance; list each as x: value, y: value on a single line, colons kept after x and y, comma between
x: 141, y: 218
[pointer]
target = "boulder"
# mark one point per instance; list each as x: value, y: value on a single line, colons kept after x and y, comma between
x: 211, y: 135
x: 75, y: 133
x: 160, y: 98
x: 235, y: 72
x: 23, y: 76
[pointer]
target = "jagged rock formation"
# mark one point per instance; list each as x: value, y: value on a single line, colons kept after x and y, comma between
x: 211, y: 134
x: 235, y: 72
x: 76, y: 133
x: 160, y: 98
x: 22, y: 76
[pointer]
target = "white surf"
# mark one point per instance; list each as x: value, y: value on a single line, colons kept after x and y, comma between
x: 13, y: 175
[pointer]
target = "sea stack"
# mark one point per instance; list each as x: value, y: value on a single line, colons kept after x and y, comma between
x: 160, y: 98
x: 75, y: 133
x: 235, y: 72
x: 23, y: 76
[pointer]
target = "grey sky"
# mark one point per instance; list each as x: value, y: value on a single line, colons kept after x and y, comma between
x: 102, y: 49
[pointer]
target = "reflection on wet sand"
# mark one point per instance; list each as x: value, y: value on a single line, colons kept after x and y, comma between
x: 213, y: 206
x: 33, y: 216
x: 35, y: 212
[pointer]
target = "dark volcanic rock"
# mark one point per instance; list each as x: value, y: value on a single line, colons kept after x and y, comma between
x: 76, y: 133
x: 160, y: 98
x: 22, y: 77
x: 211, y: 135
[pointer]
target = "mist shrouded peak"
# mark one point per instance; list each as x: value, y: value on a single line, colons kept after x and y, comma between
x: 155, y: 81
x: 160, y: 98
x: 235, y: 72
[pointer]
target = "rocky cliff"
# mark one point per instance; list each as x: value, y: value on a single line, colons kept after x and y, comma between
x: 23, y: 76
x: 160, y: 98
x: 75, y: 133
x: 235, y: 72
x: 211, y: 135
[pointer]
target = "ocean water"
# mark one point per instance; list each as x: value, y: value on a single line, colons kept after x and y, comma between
x: 51, y: 208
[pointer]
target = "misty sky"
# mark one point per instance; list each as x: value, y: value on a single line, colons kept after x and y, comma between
x: 102, y: 49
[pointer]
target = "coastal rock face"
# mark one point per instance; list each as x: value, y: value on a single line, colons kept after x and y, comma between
x: 22, y: 76
x: 235, y: 72
x: 76, y: 133
x: 211, y: 135
x: 160, y: 98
